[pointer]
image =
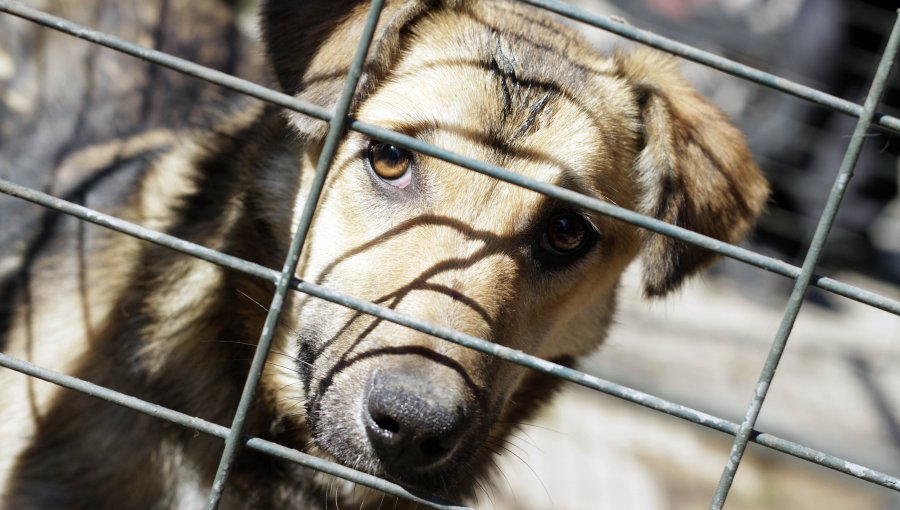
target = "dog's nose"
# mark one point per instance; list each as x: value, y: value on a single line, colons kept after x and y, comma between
x: 413, y: 421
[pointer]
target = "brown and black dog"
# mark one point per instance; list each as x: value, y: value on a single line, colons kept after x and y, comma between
x: 493, y: 80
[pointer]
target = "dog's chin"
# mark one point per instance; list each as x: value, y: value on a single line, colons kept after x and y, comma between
x: 445, y: 482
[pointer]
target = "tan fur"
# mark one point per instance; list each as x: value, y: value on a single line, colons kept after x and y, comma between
x: 490, y: 80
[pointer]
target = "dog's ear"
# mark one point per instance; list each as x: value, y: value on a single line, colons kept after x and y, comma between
x: 694, y: 170
x: 310, y: 44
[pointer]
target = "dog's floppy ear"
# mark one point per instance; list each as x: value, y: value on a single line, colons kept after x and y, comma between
x: 310, y: 44
x: 694, y: 170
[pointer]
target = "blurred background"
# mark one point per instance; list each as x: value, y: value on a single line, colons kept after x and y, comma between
x: 838, y: 386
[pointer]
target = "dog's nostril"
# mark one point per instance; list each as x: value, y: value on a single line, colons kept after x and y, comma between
x: 386, y: 423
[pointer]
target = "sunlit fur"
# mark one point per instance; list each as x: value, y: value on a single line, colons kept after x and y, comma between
x: 491, y: 80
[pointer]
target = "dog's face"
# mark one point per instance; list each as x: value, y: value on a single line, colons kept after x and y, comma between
x: 507, y: 85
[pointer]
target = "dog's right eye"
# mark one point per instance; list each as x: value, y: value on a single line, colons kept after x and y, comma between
x: 392, y: 164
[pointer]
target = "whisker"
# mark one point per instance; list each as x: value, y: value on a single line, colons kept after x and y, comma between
x: 525, y: 438
x: 288, y: 385
x: 294, y: 403
x: 511, y: 444
x: 444, y: 484
x: 307, y: 446
x: 248, y: 344
x: 500, y: 471
x: 257, y: 303
x: 533, y: 425
x: 288, y: 369
x: 478, y: 484
x: 291, y: 330
x: 526, y: 464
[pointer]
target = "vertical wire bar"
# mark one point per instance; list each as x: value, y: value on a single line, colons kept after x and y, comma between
x: 335, y: 132
x: 812, y: 256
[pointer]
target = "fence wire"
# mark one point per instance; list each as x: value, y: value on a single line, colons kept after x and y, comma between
x: 284, y: 280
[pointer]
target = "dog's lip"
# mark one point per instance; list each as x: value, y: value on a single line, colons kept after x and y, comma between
x: 429, y: 484
x: 426, y: 485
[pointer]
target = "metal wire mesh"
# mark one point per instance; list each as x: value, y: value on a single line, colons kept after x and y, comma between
x: 744, y: 432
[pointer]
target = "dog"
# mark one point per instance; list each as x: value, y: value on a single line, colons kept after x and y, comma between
x: 493, y: 80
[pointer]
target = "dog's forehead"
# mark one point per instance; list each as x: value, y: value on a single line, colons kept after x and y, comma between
x: 514, y: 94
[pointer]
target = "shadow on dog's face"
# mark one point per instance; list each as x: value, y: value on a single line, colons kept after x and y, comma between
x: 459, y: 249
x: 509, y: 86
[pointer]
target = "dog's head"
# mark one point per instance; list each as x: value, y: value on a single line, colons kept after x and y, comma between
x: 508, y: 85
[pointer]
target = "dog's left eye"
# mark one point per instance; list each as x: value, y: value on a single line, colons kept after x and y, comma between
x: 565, y: 237
x: 392, y: 164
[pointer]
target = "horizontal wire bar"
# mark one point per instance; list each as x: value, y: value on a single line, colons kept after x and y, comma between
x: 134, y: 230
x: 213, y: 429
x: 712, y: 60
x: 472, y: 342
x: 247, y: 87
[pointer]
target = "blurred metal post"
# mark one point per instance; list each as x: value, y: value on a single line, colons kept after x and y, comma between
x: 795, y: 301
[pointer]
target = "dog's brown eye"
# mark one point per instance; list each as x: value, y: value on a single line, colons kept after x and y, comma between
x: 566, y: 233
x: 390, y: 163
x: 565, y: 237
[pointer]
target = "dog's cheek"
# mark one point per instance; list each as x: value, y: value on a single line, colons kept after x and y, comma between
x: 335, y: 420
x: 319, y: 342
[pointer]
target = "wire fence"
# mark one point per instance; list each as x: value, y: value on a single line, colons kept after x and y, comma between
x: 743, y: 432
